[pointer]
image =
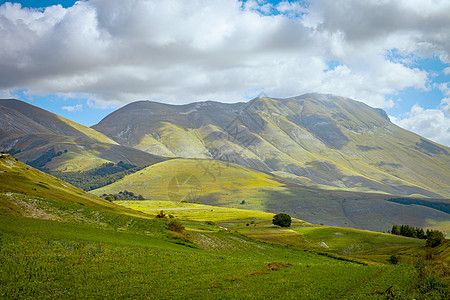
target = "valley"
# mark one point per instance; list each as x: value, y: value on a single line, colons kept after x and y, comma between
x: 128, y: 253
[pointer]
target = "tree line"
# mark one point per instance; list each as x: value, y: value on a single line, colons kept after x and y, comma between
x: 433, y: 237
x: 98, y: 177
x: 125, y: 195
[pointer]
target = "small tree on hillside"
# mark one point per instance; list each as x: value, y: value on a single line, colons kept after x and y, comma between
x: 161, y: 215
x: 395, y: 230
x: 282, y: 219
x: 434, y: 238
x: 175, y: 225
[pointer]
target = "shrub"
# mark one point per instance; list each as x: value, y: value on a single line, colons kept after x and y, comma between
x: 277, y: 265
x: 109, y: 198
x: 161, y: 215
x: 176, y: 226
x: 282, y: 219
x: 429, y: 255
x: 182, y: 237
x: 434, y: 238
x: 393, y: 260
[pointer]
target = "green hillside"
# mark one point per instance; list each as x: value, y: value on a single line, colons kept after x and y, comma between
x: 51, y: 142
x: 321, y: 141
x: 58, y: 241
x: 23, y: 189
x: 24, y: 118
x: 233, y: 186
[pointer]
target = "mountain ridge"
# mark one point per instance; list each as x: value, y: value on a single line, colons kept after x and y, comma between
x: 318, y: 140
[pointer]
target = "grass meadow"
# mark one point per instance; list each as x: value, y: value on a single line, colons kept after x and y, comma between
x: 52, y: 259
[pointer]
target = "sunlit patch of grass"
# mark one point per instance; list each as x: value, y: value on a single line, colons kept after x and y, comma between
x: 350, y: 241
x: 196, y: 211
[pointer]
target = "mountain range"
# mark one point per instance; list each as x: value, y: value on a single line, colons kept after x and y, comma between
x: 316, y: 140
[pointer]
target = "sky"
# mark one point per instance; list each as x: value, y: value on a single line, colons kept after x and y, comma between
x: 84, y: 59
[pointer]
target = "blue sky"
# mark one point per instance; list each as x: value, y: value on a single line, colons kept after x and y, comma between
x: 84, y: 60
x: 42, y: 3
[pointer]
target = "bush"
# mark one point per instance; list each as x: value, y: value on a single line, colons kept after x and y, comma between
x: 109, y: 198
x: 161, y: 215
x: 282, y: 219
x: 176, y: 226
x: 434, y: 238
x: 394, y: 259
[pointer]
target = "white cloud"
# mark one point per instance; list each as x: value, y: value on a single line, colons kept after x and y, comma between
x: 445, y: 88
x: 78, y: 107
x: 445, y: 104
x: 446, y: 71
x: 433, y: 124
x: 115, y: 52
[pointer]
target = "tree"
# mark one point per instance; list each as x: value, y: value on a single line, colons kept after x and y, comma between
x: 282, y: 219
x: 434, y: 238
x: 395, y: 230
x: 420, y: 233
x: 161, y: 215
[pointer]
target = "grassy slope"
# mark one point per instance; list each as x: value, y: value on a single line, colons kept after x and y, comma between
x: 91, y: 133
x: 191, y: 179
x: 19, y: 181
x: 57, y: 241
x: 30, y: 114
x: 224, y: 184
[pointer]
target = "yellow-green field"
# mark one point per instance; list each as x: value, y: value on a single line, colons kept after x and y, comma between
x: 197, y: 212
x: 193, y: 179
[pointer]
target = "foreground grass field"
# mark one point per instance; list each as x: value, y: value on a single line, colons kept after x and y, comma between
x: 44, y: 258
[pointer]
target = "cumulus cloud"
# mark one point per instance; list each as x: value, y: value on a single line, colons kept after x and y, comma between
x: 433, y: 124
x: 445, y: 104
x: 115, y: 52
x: 78, y: 107
x: 178, y: 51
